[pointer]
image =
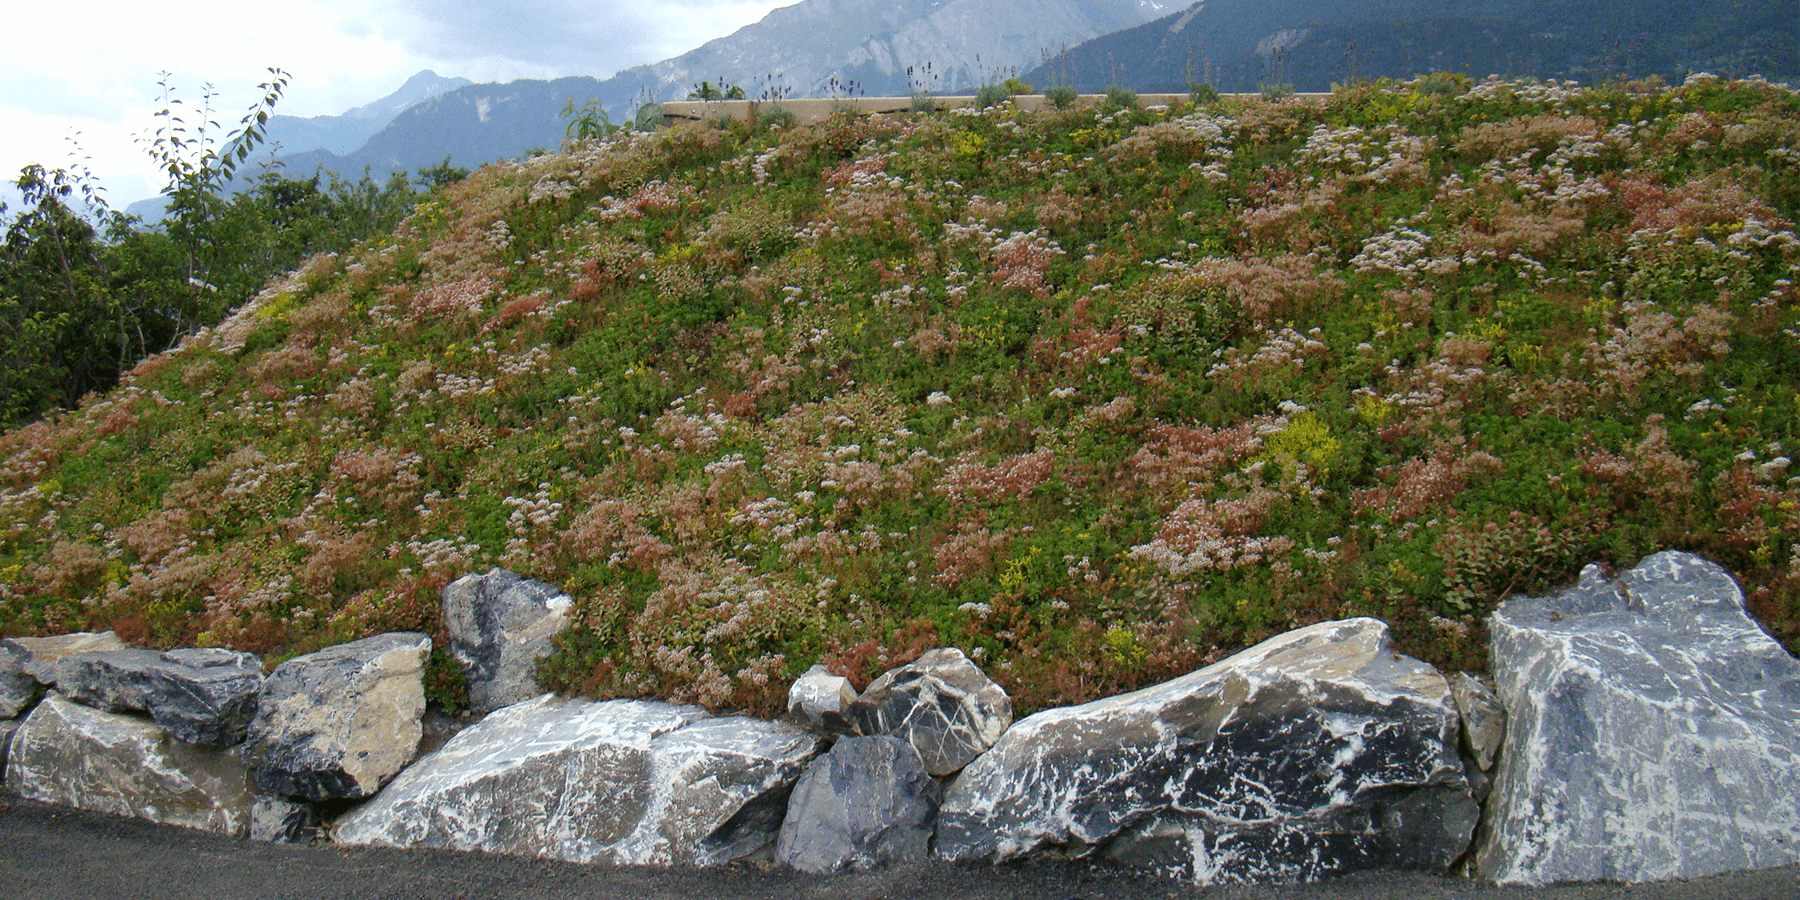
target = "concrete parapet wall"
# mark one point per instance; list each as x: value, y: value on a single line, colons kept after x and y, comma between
x: 813, y: 109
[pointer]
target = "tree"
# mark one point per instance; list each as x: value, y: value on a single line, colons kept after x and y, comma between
x: 64, y: 327
x: 86, y: 292
x: 219, y: 264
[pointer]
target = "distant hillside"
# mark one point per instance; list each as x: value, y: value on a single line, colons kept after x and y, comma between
x: 473, y: 126
x: 1095, y: 395
x: 346, y: 132
x: 1243, y: 45
x: 809, y: 49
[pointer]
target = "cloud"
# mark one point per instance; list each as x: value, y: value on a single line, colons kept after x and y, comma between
x: 564, y: 37
x: 338, y: 56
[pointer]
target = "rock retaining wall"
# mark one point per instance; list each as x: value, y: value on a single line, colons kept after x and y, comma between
x: 1636, y: 729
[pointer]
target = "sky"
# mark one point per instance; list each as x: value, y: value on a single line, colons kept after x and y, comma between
x: 96, y: 82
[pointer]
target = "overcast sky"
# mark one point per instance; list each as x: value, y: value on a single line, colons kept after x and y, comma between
x: 91, y: 66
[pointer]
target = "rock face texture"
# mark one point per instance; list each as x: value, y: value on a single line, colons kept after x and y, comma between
x: 277, y: 821
x: 942, y: 704
x: 342, y: 721
x: 622, y: 781
x: 500, y: 624
x: 866, y: 803
x: 1483, y: 719
x: 8, y: 727
x: 17, y: 687
x: 1650, y: 732
x: 107, y: 762
x: 1313, y: 753
x: 202, y: 696
x: 820, y: 701
x: 41, y: 653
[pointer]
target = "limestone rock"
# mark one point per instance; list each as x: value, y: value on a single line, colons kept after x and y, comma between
x: 621, y: 781
x: 8, y: 727
x: 1316, y: 752
x: 866, y: 803
x: 277, y: 821
x: 1650, y: 732
x: 731, y: 778
x: 72, y: 755
x: 342, y: 721
x: 500, y: 624
x: 200, y: 695
x: 41, y: 653
x: 17, y: 688
x: 820, y: 701
x: 942, y: 704
x: 1483, y: 718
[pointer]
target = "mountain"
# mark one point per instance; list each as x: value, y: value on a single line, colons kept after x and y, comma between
x: 1243, y: 45
x: 873, y: 43
x: 809, y: 49
x: 472, y: 126
x: 346, y: 132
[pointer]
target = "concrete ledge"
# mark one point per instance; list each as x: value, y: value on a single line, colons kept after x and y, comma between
x: 813, y: 109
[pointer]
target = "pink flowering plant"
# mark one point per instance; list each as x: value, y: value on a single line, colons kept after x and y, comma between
x: 1096, y: 395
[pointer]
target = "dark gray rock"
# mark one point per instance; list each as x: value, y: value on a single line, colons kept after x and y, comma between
x: 277, y: 821
x: 340, y: 722
x: 1650, y: 732
x: 41, y: 653
x: 18, y: 690
x: 820, y: 701
x: 71, y: 755
x: 865, y: 803
x: 942, y: 704
x: 1483, y: 719
x: 200, y: 695
x: 500, y: 624
x: 621, y: 781
x: 1317, y: 752
x: 8, y: 727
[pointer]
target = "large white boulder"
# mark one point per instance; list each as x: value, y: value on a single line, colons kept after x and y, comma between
x: 69, y: 754
x: 1653, y: 732
x: 621, y: 781
x: 1316, y: 752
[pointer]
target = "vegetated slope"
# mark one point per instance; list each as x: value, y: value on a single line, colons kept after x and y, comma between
x: 1245, y: 45
x: 1096, y: 395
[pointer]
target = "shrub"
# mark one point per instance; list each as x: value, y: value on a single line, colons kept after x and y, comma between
x: 1118, y: 97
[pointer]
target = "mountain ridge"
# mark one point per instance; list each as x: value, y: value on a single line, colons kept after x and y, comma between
x: 856, y: 55
x: 1245, y: 45
x: 348, y: 130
